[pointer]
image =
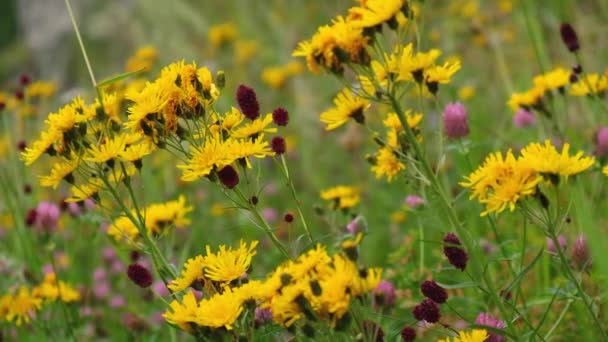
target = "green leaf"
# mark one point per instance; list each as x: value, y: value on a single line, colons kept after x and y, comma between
x: 117, y: 78
x: 524, y: 271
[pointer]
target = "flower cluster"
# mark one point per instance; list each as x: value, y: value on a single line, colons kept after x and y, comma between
x: 342, y: 196
x: 558, y: 81
x: 387, y: 161
x: 314, y: 286
x: 21, y: 305
x: 500, y: 182
x: 158, y: 218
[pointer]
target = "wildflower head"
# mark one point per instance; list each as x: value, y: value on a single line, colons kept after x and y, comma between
x: 288, y: 217
x: 262, y: 316
x: 433, y: 291
x: 140, y: 275
x: 456, y: 256
x: 580, y: 252
x: 280, y: 116
x: 427, y: 311
x: 414, y: 201
x: 601, y: 142
x: 551, y: 248
x: 248, y: 102
x: 384, y: 294
x: 455, y: 120
x: 228, y: 176
x: 569, y: 37
x: 24, y: 79
x: 492, y: 322
x: 408, y: 334
x: 277, y: 144
x: 47, y: 216
x: 523, y: 118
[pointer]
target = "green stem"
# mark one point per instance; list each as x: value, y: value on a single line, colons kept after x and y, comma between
x: 570, y: 275
x: 79, y: 38
x: 267, y: 229
x: 447, y: 206
x: 295, y: 198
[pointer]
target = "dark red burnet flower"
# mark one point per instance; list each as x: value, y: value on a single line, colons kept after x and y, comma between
x: 228, y: 176
x: 248, y: 102
x: 140, y: 275
x: 288, y: 217
x: 408, y: 334
x: 569, y: 37
x: 277, y: 144
x: 25, y: 79
x: 30, y: 218
x: 433, y: 291
x: 456, y: 256
x: 427, y: 311
x: 280, y: 116
x: 21, y: 145
x: 19, y: 94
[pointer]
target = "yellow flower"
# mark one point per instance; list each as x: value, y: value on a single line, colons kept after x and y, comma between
x: 352, y: 243
x: 146, y: 105
x: 22, y: 306
x: 212, y: 153
x: 244, y: 149
x: 347, y: 106
x: 158, y: 219
x: 182, y: 314
x: 123, y: 229
x: 143, y: 59
x: 555, y: 79
x: 526, y: 99
x: 605, y: 170
x: 60, y: 171
x: 545, y: 159
x: 69, y: 116
x: 85, y: 191
x: 392, y: 120
x: 387, y: 164
x: 375, y: 12
x: 342, y: 196
x: 137, y: 151
x: 334, y: 44
x: 193, y: 270
x: 112, y: 104
x: 412, y: 66
x: 501, y: 182
x: 476, y: 335
x: 43, y: 89
x: 255, y: 127
x: 221, y: 310
x: 51, y: 289
x: 227, y: 264
x: 109, y: 149
x: 221, y: 34
x: 590, y: 84
x: 161, y: 216
x: 244, y: 51
x: 466, y: 93
x: 441, y: 73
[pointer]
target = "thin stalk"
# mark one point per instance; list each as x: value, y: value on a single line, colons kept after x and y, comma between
x: 267, y: 229
x: 570, y: 275
x: 80, y: 43
x: 285, y: 170
x: 448, y: 208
